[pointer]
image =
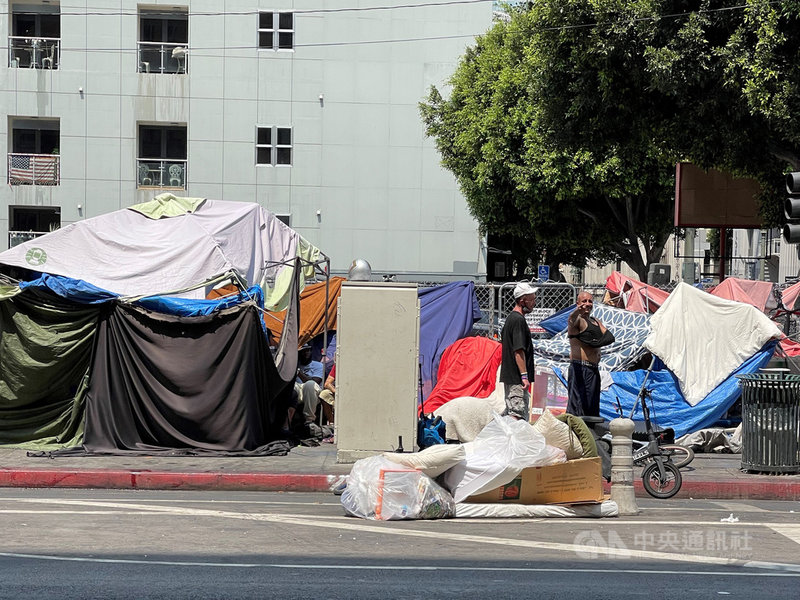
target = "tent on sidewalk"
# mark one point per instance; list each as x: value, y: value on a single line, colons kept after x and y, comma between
x: 181, y: 246
x: 128, y: 370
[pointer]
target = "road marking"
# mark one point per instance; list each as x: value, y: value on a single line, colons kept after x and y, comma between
x: 740, y: 507
x: 389, y: 529
x: 790, y: 531
x: 351, y: 567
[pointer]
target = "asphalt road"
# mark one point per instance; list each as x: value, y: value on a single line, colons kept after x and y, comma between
x: 121, y: 544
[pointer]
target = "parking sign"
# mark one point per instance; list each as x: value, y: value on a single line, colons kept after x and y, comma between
x: 544, y: 272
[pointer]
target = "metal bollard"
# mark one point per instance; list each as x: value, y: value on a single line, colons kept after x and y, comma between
x: 622, y: 466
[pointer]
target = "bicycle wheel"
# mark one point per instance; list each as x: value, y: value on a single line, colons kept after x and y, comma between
x: 657, y: 487
x: 679, y: 455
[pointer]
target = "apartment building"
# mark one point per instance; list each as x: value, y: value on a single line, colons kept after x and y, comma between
x: 308, y: 107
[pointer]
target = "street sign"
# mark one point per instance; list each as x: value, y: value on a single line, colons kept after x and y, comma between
x: 544, y: 272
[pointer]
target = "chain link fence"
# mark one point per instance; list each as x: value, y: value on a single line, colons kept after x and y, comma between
x: 497, y: 300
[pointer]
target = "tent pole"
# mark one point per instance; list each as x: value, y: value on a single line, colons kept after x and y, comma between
x: 723, y: 235
x: 327, y: 308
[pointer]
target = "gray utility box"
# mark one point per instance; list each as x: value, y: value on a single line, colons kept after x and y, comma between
x: 377, y: 364
x: 659, y: 274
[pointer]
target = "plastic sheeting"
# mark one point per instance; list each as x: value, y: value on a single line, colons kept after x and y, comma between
x: 670, y: 409
x: 446, y: 314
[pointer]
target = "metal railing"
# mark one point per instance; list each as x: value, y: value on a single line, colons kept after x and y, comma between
x: 33, y: 53
x: 162, y: 173
x: 34, y: 169
x: 162, y: 57
x: 15, y: 238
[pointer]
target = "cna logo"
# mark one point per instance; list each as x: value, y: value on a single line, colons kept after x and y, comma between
x: 591, y: 544
x: 36, y: 257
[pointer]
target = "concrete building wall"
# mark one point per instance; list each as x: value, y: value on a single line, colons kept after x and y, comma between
x: 364, y: 182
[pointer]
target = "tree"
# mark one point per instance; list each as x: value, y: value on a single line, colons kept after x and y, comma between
x: 564, y: 124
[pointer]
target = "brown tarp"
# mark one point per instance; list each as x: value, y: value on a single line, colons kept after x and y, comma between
x: 312, y: 311
x: 160, y: 383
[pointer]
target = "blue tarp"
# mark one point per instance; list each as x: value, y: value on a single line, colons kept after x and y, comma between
x: 188, y: 307
x: 71, y: 289
x: 86, y: 293
x: 447, y: 314
x: 556, y: 323
x: 669, y: 408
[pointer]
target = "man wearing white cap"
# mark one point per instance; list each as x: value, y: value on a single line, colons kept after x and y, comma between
x: 517, y: 357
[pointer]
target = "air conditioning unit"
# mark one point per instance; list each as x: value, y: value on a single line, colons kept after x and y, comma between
x: 659, y: 274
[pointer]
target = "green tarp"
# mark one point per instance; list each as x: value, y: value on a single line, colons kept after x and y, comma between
x: 45, y: 350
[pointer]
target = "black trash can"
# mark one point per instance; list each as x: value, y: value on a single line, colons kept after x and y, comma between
x: 770, y: 422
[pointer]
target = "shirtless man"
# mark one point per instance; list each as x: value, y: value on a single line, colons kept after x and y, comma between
x: 586, y: 336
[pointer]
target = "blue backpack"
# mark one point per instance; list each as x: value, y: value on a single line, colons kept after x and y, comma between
x: 430, y: 431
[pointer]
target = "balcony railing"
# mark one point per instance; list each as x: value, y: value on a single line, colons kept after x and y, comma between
x: 34, y: 53
x: 15, y: 238
x: 34, y: 169
x: 158, y: 57
x: 161, y: 173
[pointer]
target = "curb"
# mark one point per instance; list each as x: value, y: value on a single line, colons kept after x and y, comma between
x: 165, y: 480
x: 728, y: 489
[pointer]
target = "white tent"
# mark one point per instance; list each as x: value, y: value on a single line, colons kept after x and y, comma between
x: 171, y: 244
x: 703, y: 338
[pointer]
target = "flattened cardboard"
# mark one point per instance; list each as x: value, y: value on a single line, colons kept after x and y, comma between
x: 579, y: 480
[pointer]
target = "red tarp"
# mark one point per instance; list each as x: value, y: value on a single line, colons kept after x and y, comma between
x: 468, y: 368
x: 632, y: 294
x: 755, y: 293
x: 789, y: 296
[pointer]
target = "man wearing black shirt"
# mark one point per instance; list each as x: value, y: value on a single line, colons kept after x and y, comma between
x: 516, y: 366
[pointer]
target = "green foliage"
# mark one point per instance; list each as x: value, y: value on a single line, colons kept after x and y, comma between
x: 563, y: 125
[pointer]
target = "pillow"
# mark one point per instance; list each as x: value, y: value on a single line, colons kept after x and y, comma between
x: 559, y: 434
x: 433, y: 461
x: 579, y: 427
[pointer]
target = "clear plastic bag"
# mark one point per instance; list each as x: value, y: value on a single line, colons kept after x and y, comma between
x: 380, y: 489
x: 500, y: 451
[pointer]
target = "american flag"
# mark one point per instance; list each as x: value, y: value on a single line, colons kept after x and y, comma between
x: 38, y: 169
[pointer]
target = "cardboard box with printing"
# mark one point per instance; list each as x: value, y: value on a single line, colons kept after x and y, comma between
x: 579, y: 480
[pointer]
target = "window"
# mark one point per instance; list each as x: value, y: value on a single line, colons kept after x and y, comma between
x: 276, y: 31
x: 34, y: 158
x: 285, y: 219
x: 29, y: 222
x: 274, y: 146
x: 163, y: 41
x: 162, y: 156
x: 35, y: 40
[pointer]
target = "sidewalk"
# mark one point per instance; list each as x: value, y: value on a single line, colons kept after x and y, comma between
x: 710, y: 476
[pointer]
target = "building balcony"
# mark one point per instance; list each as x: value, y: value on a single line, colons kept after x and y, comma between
x: 15, y: 238
x: 33, y: 53
x: 158, y: 57
x: 161, y: 173
x: 34, y: 169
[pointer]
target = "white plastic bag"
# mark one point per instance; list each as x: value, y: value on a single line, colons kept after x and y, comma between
x: 380, y: 489
x: 502, y: 449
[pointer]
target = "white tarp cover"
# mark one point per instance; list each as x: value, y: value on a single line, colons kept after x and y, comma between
x: 703, y: 338
x: 131, y: 254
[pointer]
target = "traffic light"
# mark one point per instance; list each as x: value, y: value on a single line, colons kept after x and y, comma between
x: 791, y: 230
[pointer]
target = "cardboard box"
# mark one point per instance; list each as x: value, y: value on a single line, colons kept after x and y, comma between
x: 579, y: 480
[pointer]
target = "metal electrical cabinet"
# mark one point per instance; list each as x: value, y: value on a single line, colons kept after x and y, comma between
x: 377, y: 362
